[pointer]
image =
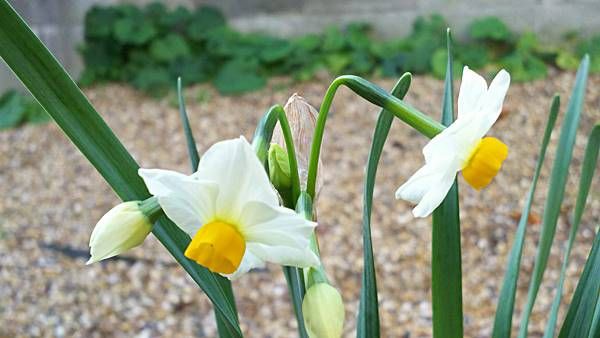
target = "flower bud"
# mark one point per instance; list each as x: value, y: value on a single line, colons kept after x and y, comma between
x: 279, y: 167
x: 323, y: 311
x: 302, y: 118
x: 124, y: 227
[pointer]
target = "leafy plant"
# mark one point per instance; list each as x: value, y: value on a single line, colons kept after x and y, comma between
x: 491, y: 29
x: 150, y: 47
x: 17, y: 109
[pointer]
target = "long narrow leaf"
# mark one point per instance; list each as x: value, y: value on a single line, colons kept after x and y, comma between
x: 52, y: 87
x: 585, y: 302
x: 587, y: 173
x: 187, y: 129
x: 446, y: 271
x: 556, y: 190
x: 585, y: 316
x: 368, y: 313
x: 506, y: 299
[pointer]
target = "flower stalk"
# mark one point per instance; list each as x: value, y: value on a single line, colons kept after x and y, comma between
x: 376, y: 95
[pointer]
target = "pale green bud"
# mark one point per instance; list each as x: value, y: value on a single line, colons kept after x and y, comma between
x: 279, y: 167
x: 323, y: 311
x: 124, y: 227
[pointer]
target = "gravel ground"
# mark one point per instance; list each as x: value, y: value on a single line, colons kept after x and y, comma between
x: 52, y: 197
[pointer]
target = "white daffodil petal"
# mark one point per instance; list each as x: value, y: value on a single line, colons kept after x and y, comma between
x: 418, y: 184
x: 472, y: 88
x: 249, y: 262
x: 233, y: 165
x: 275, y: 225
x: 492, y: 101
x: 187, y: 201
x: 434, y: 197
x: 284, y: 255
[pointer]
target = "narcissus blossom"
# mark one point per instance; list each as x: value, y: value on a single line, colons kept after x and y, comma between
x: 461, y: 146
x: 231, y: 212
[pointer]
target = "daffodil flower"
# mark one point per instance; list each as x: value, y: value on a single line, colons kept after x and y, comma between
x: 461, y: 146
x: 231, y: 212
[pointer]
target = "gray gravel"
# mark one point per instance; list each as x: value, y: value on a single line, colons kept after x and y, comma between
x: 52, y: 197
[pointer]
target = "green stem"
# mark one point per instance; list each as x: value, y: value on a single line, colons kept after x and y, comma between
x: 376, y: 95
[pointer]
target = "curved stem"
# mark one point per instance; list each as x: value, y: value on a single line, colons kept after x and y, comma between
x: 376, y: 95
x: 291, y: 151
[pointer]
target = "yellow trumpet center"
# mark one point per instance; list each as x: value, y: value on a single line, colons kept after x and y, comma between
x: 485, y: 162
x: 218, y: 246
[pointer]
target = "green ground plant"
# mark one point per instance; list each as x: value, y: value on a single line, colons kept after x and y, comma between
x: 150, y: 47
x: 17, y: 109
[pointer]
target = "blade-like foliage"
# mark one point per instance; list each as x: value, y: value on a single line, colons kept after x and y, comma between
x: 52, y: 87
x: 187, y: 129
x: 556, y: 190
x: 446, y: 274
x: 368, y: 313
x: 506, y: 299
x: 580, y: 317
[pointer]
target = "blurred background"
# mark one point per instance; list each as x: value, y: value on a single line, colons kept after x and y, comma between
x: 237, y: 58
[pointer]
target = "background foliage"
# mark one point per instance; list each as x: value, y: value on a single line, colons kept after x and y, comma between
x: 17, y: 108
x: 150, y: 47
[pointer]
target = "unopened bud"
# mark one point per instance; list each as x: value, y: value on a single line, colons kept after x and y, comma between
x: 302, y: 118
x: 122, y: 228
x: 323, y: 311
x: 279, y: 167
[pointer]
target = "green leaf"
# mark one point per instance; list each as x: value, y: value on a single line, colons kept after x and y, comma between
x: 334, y: 40
x: 153, y: 80
x: 239, y: 76
x: 187, y: 129
x: 567, y: 60
x: 204, y: 20
x: 489, y: 28
x: 134, y: 30
x: 169, y: 48
x: 12, y: 110
x: 582, y: 318
x: 587, y: 173
x: 35, y: 113
x: 506, y: 299
x: 446, y: 271
x: 556, y: 190
x: 99, y: 22
x: 52, y: 87
x: 368, y: 313
x: 439, y: 63
x: 275, y: 50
